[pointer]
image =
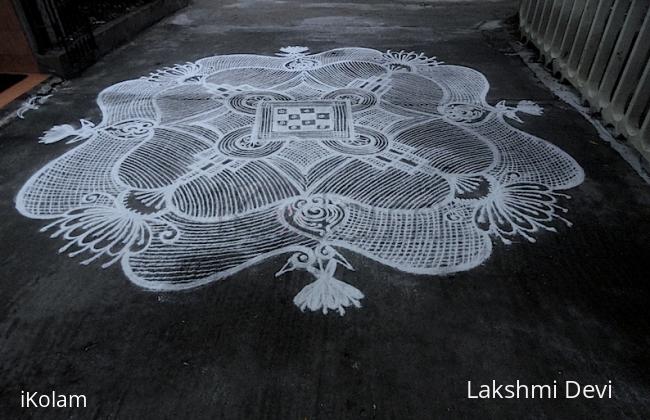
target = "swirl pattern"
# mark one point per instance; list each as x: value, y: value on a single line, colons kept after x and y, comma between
x: 316, y: 215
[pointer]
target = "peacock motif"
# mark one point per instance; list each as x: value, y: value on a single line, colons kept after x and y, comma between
x: 203, y: 169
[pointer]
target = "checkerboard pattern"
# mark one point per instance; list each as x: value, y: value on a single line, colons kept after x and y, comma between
x: 305, y: 119
x: 309, y: 118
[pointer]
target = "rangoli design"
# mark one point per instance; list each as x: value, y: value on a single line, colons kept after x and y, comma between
x: 200, y: 170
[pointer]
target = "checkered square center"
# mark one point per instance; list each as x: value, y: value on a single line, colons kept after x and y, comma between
x: 308, y: 119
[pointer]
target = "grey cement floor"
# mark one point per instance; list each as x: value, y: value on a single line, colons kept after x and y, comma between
x: 572, y: 306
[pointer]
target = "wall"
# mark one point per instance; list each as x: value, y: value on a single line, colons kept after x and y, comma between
x: 15, y: 52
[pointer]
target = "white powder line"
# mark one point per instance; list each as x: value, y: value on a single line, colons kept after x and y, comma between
x: 202, y: 169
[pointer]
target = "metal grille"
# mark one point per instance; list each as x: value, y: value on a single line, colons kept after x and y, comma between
x: 72, y: 30
x: 60, y: 24
x: 99, y: 12
x: 602, y: 48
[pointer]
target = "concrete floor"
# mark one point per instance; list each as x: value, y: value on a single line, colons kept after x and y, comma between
x: 572, y: 306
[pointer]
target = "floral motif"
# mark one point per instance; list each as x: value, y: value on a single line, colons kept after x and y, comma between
x: 403, y: 60
x: 520, y: 209
x: 203, y: 169
x: 293, y: 51
x: 180, y: 73
x: 102, y: 228
x: 32, y: 103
